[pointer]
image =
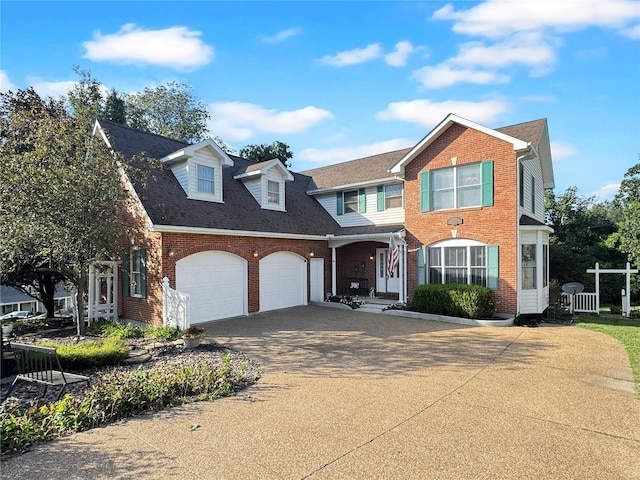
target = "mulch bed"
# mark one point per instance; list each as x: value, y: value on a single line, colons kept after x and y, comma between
x: 145, y: 353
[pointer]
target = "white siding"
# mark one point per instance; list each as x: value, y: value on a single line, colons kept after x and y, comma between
x: 274, y: 175
x: 533, y: 169
x: 389, y: 216
x: 202, y: 157
x: 181, y: 173
x: 533, y: 300
x: 253, y: 186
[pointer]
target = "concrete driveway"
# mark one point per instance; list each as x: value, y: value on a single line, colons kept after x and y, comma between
x: 353, y: 395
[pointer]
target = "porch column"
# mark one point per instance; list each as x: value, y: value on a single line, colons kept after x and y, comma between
x: 402, y: 294
x: 334, y: 287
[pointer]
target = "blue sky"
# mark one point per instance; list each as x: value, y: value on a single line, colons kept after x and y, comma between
x: 342, y: 80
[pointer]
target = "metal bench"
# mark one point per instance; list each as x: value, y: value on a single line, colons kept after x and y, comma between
x: 41, y: 365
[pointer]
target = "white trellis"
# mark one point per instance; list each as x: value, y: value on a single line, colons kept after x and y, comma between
x: 103, y: 292
x: 626, y: 299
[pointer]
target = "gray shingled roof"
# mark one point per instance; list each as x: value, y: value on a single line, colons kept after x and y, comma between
x: 167, y: 204
x: 361, y: 170
x: 529, y: 132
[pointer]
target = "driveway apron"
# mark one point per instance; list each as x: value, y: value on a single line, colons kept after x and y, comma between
x: 354, y: 395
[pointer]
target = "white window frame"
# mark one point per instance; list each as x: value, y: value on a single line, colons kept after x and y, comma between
x: 273, y: 197
x: 455, y: 187
x: 528, y: 252
x: 391, y: 193
x: 442, y: 269
x: 135, y: 272
x: 353, y: 204
x: 206, y: 181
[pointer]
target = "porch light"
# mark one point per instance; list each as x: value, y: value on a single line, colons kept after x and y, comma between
x: 170, y: 251
x: 255, y: 252
x: 372, y: 257
x: 312, y: 253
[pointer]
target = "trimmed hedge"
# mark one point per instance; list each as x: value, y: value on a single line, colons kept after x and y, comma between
x: 466, y: 301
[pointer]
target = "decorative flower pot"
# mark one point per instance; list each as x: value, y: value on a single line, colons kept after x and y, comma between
x: 7, y: 329
x: 190, y: 343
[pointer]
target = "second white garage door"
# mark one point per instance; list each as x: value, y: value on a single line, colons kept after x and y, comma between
x: 283, y: 281
x: 216, y: 283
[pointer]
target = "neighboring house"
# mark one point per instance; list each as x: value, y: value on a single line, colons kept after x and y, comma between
x: 13, y: 300
x: 465, y: 205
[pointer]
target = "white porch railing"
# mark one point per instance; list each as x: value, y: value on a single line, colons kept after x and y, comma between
x: 175, y: 307
x: 584, y: 302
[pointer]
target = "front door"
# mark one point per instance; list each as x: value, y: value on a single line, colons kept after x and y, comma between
x: 384, y: 284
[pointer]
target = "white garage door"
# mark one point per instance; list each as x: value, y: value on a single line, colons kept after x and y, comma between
x: 217, y: 284
x: 283, y: 281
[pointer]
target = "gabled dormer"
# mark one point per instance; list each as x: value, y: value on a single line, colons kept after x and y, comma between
x: 198, y: 168
x: 266, y: 181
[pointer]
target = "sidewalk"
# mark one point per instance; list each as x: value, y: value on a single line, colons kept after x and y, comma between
x: 352, y: 395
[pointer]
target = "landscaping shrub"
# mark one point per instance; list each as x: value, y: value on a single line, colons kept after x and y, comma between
x: 164, y: 334
x: 120, y: 394
x: 467, y: 301
x: 89, y: 353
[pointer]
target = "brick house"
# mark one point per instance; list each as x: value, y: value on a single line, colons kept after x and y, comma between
x: 465, y: 205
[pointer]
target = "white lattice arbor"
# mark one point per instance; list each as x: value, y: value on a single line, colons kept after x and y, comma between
x: 103, y: 292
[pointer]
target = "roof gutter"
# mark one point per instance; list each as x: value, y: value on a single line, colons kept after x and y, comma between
x: 235, y: 233
x: 338, y: 188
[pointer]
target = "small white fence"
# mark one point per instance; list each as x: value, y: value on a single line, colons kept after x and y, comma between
x: 175, y: 307
x: 584, y: 302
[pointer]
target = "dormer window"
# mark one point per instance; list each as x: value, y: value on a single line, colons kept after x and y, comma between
x: 273, y: 192
x: 205, y: 179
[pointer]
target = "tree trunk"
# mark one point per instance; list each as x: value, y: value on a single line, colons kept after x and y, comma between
x: 47, y: 288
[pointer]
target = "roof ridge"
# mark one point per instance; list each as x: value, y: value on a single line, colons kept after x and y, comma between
x: 137, y: 130
x: 306, y: 172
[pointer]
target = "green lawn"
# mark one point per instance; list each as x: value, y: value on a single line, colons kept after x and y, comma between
x: 625, y: 330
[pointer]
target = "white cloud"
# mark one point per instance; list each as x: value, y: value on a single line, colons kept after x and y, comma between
x: 5, y: 83
x: 445, y: 75
x: 497, y: 18
x: 427, y: 113
x: 353, y: 57
x: 175, y: 47
x: 398, y: 58
x: 282, y: 35
x: 241, y: 121
x: 561, y: 150
x: 52, y: 89
x: 525, y: 49
x: 337, y: 155
x: 607, y: 192
x: 632, y: 32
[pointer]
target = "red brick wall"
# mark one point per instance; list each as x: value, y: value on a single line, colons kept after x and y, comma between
x: 496, y: 225
x: 349, y: 263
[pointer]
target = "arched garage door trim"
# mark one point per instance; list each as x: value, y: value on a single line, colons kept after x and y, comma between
x: 283, y: 281
x: 217, y: 284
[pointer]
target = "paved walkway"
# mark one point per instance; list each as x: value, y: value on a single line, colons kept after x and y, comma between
x: 352, y: 395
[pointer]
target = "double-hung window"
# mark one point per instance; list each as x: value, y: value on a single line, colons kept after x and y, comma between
x: 134, y: 273
x: 529, y: 266
x: 457, y: 187
x: 273, y: 192
x: 393, y: 196
x: 205, y: 177
x: 351, y: 202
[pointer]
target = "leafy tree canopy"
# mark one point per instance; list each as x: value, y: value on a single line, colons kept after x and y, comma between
x: 628, y: 200
x: 264, y: 152
x: 60, y: 204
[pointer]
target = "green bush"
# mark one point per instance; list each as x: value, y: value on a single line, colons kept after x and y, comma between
x: 467, y: 301
x: 162, y: 333
x: 119, y: 394
x: 90, y: 353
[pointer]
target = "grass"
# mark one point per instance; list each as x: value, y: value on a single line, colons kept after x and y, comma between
x: 626, y: 331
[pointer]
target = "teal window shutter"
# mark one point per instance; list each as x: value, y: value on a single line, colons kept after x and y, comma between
x: 340, y: 203
x: 381, y: 198
x: 125, y: 274
x: 493, y: 270
x: 487, y: 183
x: 143, y: 273
x: 425, y: 199
x: 421, y: 253
x: 362, y: 200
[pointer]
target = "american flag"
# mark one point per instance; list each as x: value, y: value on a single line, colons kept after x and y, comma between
x: 394, y: 257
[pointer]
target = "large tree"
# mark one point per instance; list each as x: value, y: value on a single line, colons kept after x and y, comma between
x: 264, y: 152
x: 628, y: 200
x: 85, y: 98
x: 61, y: 196
x: 169, y: 110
